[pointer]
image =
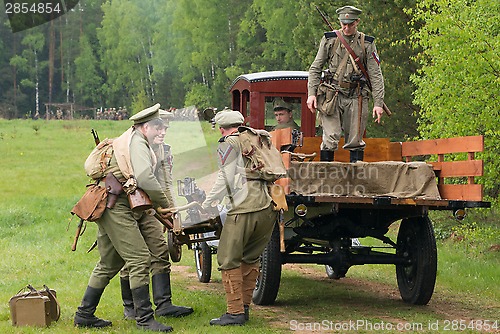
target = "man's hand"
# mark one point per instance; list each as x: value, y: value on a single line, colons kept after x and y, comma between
x: 312, y: 103
x: 166, y: 216
x: 377, y: 113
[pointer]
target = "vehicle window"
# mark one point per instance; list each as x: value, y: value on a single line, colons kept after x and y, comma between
x: 294, y: 102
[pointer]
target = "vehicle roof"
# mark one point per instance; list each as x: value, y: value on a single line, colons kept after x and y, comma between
x: 271, y: 76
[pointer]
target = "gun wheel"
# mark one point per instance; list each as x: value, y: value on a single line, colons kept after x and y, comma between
x: 203, y: 260
x: 174, y: 247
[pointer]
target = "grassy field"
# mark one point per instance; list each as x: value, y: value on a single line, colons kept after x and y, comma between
x: 42, y: 177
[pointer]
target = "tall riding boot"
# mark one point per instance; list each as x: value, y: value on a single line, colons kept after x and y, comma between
x: 233, y: 284
x: 144, y: 316
x: 356, y: 156
x: 162, y: 297
x: 84, y: 316
x: 128, y: 301
x: 250, y: 273
x: 325, y: 155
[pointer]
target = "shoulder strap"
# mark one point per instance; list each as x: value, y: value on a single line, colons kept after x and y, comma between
x: 356, y: 58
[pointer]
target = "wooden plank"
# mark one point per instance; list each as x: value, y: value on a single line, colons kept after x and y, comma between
x: 394, y: 152
x: 458, y: 168
x: 443, y: 146
x: 461, y: 192
x: 281, y: 137
x: 377, y: 149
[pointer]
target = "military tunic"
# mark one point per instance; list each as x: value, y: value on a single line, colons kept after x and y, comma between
x: 151, y: 229
x: 250, y: 218
x: 119, y: 237
x: 290, y: 124
x: 344, y: 114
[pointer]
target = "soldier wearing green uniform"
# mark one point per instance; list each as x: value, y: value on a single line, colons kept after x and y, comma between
x: 249, y: 223
x: 284, y: 115
x: 119, y: 238
x: 346, y: 103
x: 153, y: 232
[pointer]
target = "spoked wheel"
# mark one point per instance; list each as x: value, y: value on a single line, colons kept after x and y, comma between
x: 203, y: 259
x: 268, y: 282
x: 416, y: 240
x: 174, y: 247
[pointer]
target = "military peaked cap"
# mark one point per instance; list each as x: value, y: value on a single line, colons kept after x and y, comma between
x: 146, y: 115
x: 280, y: 104
x: 227, y: 118
x: 348, y: 14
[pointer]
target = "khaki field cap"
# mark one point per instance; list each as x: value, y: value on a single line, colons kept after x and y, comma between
x: 227, y: 118
x: 280, y: 104
x: 348, y: 14
x: 146, y: 115
x: 166, y: 116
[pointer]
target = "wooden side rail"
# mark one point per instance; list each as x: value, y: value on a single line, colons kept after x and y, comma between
x: 464, y: 168
x: 377, y: 149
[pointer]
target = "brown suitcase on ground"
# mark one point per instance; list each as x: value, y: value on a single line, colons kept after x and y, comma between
x: 32, y: 311
x: 30, y: 307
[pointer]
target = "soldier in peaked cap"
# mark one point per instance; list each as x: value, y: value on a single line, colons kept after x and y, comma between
x: 152, y: 232
x: 342, y: 99
x: 284, y: 115
x: 119, y: 239
x: 249, y: 222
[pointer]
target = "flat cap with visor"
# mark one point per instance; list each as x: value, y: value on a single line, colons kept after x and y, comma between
x: 348, y: 14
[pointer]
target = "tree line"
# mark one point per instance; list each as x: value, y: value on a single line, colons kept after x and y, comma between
x: 439, y: 58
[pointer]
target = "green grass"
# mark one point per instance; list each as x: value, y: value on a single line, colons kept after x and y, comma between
x: 42, y: 178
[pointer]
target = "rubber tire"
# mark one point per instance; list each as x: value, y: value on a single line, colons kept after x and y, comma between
x: 203, y: 260
x: 174, y: 249
x: 416, y: 282
x: 330, y: 272
x: 268, y: 282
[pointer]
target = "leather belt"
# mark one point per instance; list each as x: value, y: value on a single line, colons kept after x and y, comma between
x: 344, y: 84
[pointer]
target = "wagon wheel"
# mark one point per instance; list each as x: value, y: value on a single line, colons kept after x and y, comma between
x: 416, y: 280
x: 203, y: 260
x: 174, y: 247
x: 268, y: 282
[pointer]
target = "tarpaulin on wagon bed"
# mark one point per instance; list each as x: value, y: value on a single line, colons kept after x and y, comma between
x: 364, y: 179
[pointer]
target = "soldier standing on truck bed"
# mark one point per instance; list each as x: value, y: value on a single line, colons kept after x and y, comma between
x: 342, y: 98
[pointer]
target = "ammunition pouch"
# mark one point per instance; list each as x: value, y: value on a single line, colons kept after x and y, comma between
x: 114, y: 188
x: 137, y: 198
x: 326, y: 98
x: 92, y: 204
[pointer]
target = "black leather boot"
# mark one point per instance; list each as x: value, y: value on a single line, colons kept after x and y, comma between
x: 128, y: 301
x: 247, y: 312
x: 84, y: 316
x: 162, y: 297
x: 144, y: 315
x: 356, y: 156
x: 229, y: 319
x: 325, y: 155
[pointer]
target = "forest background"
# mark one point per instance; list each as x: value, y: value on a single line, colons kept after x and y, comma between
x: 440, y: 59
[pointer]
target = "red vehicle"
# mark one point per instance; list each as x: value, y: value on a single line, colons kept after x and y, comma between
x: 319, y: 226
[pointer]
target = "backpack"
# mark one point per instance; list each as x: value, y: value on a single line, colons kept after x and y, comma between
x: 99, y: 159
x: 266, y: 162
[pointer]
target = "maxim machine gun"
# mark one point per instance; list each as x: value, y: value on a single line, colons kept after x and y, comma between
x: 198, y: 227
